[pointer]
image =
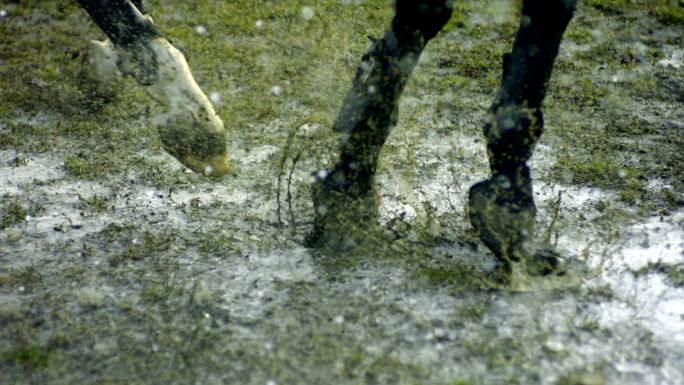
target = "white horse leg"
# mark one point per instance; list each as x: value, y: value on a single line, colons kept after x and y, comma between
x: 103, y: 58
x: 190, y: 129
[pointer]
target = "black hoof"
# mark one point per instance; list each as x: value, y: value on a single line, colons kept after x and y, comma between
x: 341, y: 220
x: 503, y: 215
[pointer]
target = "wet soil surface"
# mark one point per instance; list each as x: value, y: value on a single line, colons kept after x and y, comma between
x: 117, y: 265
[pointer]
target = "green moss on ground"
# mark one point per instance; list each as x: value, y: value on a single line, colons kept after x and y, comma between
x: 674, y: 273
x: 670, y: 14
x: 139, y: 278
x: 11, y: 214
x: 666, y: 11
x: 31, y: 357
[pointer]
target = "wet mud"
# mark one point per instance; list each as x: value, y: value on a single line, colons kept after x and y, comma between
x: 118, y: 265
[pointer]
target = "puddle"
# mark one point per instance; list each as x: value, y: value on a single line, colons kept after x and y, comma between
x: 29, y: 169
x: 675, y: 59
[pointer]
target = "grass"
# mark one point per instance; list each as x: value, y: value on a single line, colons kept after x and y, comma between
x: 11, y: 214
x: 152, y: 329
x: 669, y: 12
x: 32, y: 357
x: 96, y: 202
x: 249, y: 61
x: 609, y: 5
x: 611, y: 143
x: 26, y: 277
x: 578, y: 34
x: 441, y: 276
x: 674, y: 273
x: 141, y: 246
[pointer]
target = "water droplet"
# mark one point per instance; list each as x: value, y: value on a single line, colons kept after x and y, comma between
x: 364, y: 66
x: 321, y: 210
x: 215, y: 97
x: 3, y: 13
x: 208, y: 170
x: 276, y: 90
x: 567, y: 176
x: 339, y: 320
x: 321, y: 174
x: 525, y: 21
x: 259, y: 24
x: 505, y: 183
x: 508, y: 124
x: 21, y: 289
x: 201, y: 30
x: 307, y: 13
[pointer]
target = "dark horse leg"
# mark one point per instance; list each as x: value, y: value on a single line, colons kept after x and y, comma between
x: 343, y: 196
x: 190, y: 129
x: 121, y: 20
x: 502, y: 208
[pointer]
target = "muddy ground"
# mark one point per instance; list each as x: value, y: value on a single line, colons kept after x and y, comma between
x: 119, y: 266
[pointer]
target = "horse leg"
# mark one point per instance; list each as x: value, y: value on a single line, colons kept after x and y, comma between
x: 190, y: 130
x: 368, y: 114
x: 138, y: 4
x: 502, y: 208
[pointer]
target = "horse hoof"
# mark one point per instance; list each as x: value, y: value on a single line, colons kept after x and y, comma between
x: 341, y: 221
x: 190, y: 130
x: 503, y: 216
x: 214, y: 166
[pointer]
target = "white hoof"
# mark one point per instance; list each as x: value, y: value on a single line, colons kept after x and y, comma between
x: 190, y: 130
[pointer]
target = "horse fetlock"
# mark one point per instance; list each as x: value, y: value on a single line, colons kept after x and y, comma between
x: 514, y: 124
x: 512, y: 133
